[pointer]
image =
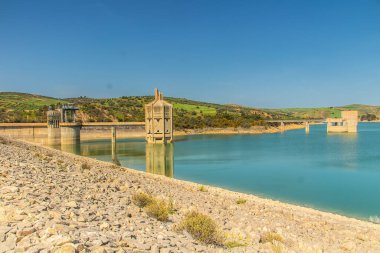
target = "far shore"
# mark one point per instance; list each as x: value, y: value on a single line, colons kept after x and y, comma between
x: 230, y: 130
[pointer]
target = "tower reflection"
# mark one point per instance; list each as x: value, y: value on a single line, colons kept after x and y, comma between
x: 160, y: 159
x: 71, y: 148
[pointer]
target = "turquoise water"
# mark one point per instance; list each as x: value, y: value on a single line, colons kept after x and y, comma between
x: 333, y: 172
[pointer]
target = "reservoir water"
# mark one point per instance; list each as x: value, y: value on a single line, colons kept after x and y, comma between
x: 332, y: 172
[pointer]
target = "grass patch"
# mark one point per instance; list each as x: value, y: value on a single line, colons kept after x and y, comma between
x: 172, y: 210
x: 241, y: 201
x: 277, y: 248
x: 38, y: 155
x: 159, y: 209
x: 201, y: 227
x: 154, y: 207
x: 85, y: 166
x: 3, y: 141
x: 234, y: 244
x: 271, y: 237
x: 142, y: 199
x: 206, y: 110
x: 233, y: 240
x: 202, y: 188
x: 47, y: 159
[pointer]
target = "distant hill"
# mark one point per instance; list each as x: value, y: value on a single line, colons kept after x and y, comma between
x: 324, y: 112
x: 189, y: 114
x: 23, y: 107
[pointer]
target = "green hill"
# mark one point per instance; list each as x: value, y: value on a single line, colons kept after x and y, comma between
x: 365, y: 111
x: 23, y: 107
x: 189, y: 114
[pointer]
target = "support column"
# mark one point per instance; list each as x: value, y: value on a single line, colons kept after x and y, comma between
x: 114, y: 150
x: 70, y: 133
x: 307, y: 127
x: 54, y: 135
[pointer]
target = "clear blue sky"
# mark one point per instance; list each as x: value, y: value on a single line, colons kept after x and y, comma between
x: 265, y: 53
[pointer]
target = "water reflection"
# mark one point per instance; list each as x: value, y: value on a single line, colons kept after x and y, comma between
x: 115, y: 160
x: 344, y: 150
x: 70, y: 148
x: 160, y: 159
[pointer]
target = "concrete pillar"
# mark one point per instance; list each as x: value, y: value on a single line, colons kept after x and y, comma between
x: 282, y: 126
x: 307, y: 127
x: 115, y: 160
x: 70, y: 133
x: 54, y: 136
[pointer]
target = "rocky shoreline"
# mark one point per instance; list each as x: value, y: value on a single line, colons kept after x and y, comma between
x: 231, y: 131
x: 51, y: 201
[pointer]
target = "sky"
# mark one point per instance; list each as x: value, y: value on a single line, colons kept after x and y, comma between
x: 262, y: 53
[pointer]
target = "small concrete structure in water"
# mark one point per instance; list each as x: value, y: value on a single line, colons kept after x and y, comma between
x: 347, y: 123
x: 62, y: 125
x: 54, y: 132
x: 159, y: 120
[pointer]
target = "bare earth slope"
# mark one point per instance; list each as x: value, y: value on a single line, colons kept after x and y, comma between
x: 48, y: 201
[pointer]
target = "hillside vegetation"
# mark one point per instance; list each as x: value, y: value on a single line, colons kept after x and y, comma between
x: 20, y: 107
x: 189, y: 114
x: 23, y: 107
x: 365, y: 111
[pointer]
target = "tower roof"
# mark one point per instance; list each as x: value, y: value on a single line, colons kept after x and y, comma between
x: 158, y: 99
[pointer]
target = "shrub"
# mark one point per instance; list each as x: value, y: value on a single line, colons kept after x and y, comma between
x: 241, y: 201
x: 234, y: 244
x: 37, y: 155
x: 171, y: 206
x: 277, y: 248
x: 3, y: 141
x: 158, y: 209
x: 85, y: 166
x: 201, y: 227
x: 142, y: 199
x: 271, y: 237
x: 202, y: 189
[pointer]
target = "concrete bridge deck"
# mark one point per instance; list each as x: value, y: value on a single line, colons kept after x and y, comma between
x: 115, y: 124
x: 86, y: 124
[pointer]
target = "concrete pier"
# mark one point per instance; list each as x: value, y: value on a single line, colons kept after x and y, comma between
x: 70, y: 133
x: 347, y: 123
x: 307, y: 127
x: 54, y: 136
x: 115, y: 160
x: 53, y: 131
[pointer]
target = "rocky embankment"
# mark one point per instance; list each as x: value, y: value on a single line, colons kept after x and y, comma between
x: 57, y: 202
